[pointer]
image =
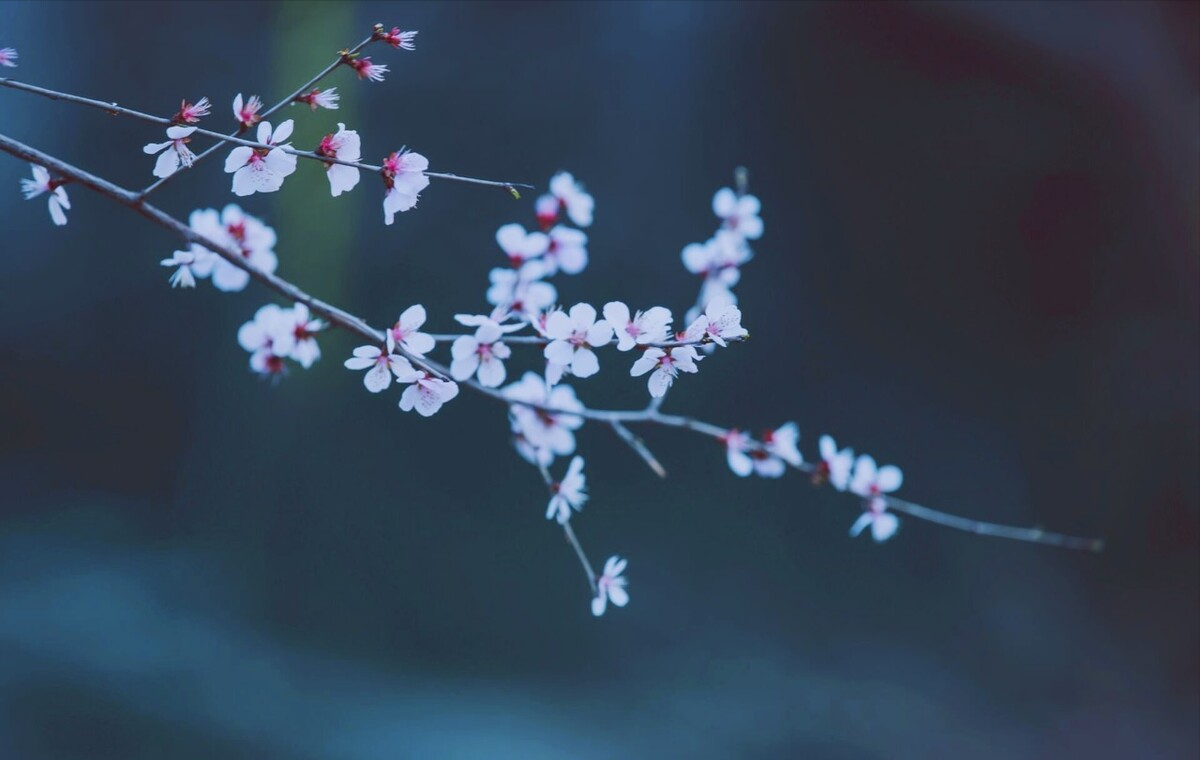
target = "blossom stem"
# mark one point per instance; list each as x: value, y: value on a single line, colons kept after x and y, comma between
x: 639, y: 446
x: 234, y: 138
x: 359, y: 327
x: 572, y: 539
x: 537, y: 340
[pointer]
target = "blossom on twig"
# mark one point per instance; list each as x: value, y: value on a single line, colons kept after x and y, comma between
x: 41, y: 184
x: 173, y: 152
x: 610, y: 586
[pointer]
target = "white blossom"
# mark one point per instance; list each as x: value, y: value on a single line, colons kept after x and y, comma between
x: 183, y: 276
x: 320, y: 99
x: 8, y: 57
x: 380, y: 367
x: 427, y: 393
x: 367, y: 70
x: 190, y: 113
x: 305, y: 350
x: 482, y: 352
x: 343, y: 145
x: 404, y: 177
x: 650, y: 326
x: 739, y: 214
x: 573, y: 337
x: 173, y: 152
x: 407, y: 334
x: 232, y: 229
x: 521, y: 291
x: 567, y: 251
x: 400, y: 40
x: 570, y: 197
x: 269, y: 337
x: 568, y: 493
x: 246, y: 111
x: 667, y: 364
x: 610, y: 586
x: 718, y: 260
x: 835, y: 465
x: 551, y: 431
x: 519, y: 245
x: 720, y: 322
x: 768, y: 459
x: 871, y: 482
x: 262, y: 170
x: 41, y: 184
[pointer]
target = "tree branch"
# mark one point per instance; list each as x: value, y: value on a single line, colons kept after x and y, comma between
x: 614, y: 418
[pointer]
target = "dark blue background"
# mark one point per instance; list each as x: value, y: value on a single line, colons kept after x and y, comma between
x: 980, y: 263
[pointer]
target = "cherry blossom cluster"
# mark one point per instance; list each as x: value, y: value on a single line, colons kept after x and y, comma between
x: 230, y: 247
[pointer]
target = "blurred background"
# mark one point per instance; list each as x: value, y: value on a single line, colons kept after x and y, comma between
x: 980, y: 263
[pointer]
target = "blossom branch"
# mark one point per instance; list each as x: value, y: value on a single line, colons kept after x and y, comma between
x: 614, y: 418
x: 113, y: 108
x: 538, y: 340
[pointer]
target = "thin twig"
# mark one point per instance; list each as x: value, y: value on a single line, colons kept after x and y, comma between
x: 359, y: 327
x: 113, y: 108
x: 538, y: 340
x: 640, y: 448
x: 569, y: 532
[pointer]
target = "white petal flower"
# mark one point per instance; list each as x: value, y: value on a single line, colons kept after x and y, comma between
x: 407, y: 334
x: 739, y: 214
x: 567, y: 251
x: 380, y: 367
x: 782, y: 443
x: 573, y: 337
x: 610, y: 586
x: 269, y: 338
x: 173, y: 152
x: 666, y: 365
x: 246, y: 112
x: 737, y: 453
x: 835, y: 465
x: 404, y: 177
x: 8, y: 57
x: 568, y: 494
x: 482, y: 353
x: 572, y: 198
x: 183, y: 276
x: 320, y: 99
x: 305, y: 350
x: 427, y: 393
x: 235, y: 230
x: 551, y: 431
x: 262, y: 170
x: 42, y: 184
x: 521, y: 291
x: 344, y: 145
x: 650, y: 326
x: 871, y: 482
x: 519, y: 245
x: 720, y: 322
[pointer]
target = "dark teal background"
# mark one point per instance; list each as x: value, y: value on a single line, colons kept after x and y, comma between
x: 980, y: 263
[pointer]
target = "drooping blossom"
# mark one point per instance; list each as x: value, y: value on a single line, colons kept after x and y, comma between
x: 720, y: 322
x: 570, y: 197
x: 407, y: 334
x: 547, y: 209
x: 183, y: 276
x: 738, y: 214
x: 872, y: 482
x: 404, y: 177
x: 718, y: 260
x: 41, y: 184
x: 173, y: 152
x: 650, y: 326
x: 262, y: 170
x: 320, y: 99
x: 342, y: 145
x: 400, y: 40
x: 568, y: 494
x: 521, y: 246
x: 538, y: 457
x: 521, y: 291
x: 246, y: 112
x: 567, y: 251
x: 573, y: 337
x: 367, y: 70
x: 190, y: 113
x: 236, y: 230
x: 667, y: 364
x: 552, y: 431
x: 269, y: 338
x: 481, y: 353
x: 380, y: 367
x: 610, y: 586
x: 427, y: 393
x: 305, y: 350
x: 835, y: 465
x: 8, y: 57
x: 768, y: 459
